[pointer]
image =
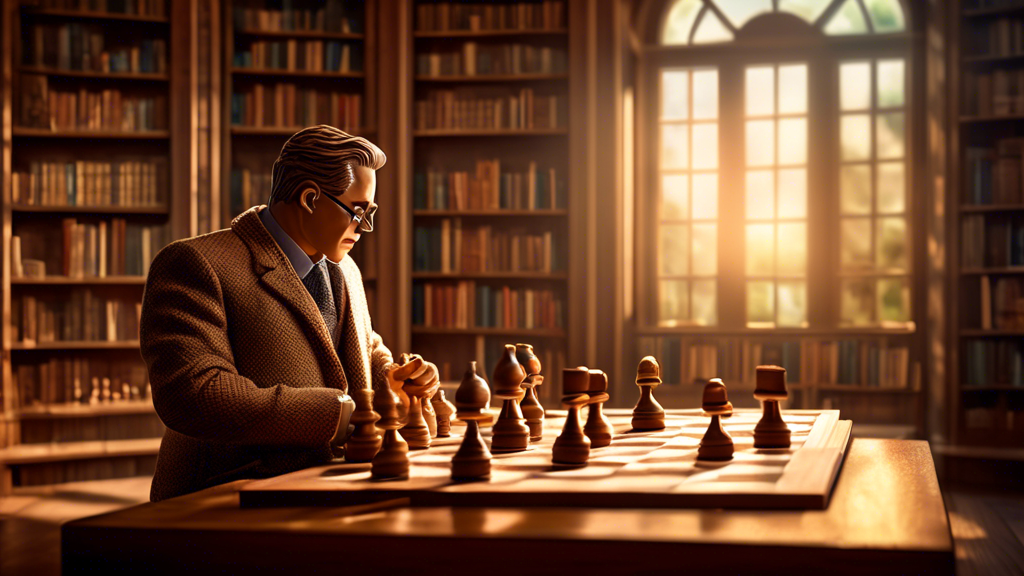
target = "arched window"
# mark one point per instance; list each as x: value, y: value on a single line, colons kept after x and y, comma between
x: 776, y: 164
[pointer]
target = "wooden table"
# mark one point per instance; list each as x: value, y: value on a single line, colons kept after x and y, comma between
x: 886, y: 517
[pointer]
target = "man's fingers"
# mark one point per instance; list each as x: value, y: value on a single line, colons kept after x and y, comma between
x: 409, y: 370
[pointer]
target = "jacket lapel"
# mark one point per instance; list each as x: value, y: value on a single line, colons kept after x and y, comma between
x: 354, y: 356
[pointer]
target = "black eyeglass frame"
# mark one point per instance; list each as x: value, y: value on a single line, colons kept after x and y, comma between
x: 363, y: 217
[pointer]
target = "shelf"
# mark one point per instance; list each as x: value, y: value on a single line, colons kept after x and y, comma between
x: 864, y: 389
x: 494, y: 78
x: 788, y: 332
x: 47, y: 133
x: 1000, y: 270
x: 990, y: 118
x: 74, y: 410
x: 990, y: 207
x: 288, y: 131
x: 294, y: 73
x: 490, y: 275
x: 78, y: 345
x: 488, y: 213
x: 86, y: 281
x: 301, y: 34
x: 66, y: 451
x: 988, y: 58
x: 992, y: 388
x: 97, y: 15
x: 980, y: 333
x: 492, y: 132
x: 153, y: 210
x: 983, y: 12
x: 487, y: 33
x: 538, y: 332
x: 103, y: 75
x: 981, y: 452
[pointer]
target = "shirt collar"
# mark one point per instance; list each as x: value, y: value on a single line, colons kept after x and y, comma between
x: 297, y: 256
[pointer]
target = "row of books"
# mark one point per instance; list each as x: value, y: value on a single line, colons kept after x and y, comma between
x: 77, y: 315
x: 131, y: 7
x: 85, y: 48
x: 488, y: 188
x: 475, y: 60
x: 467, y: 304
x: 479, y: 16
x: 995, y: 37
x: 285, y: 15
x: 304, y: 55
x: 107, y: 427
x: 127, y: 183
x: 1002, y: 303
x: 103, y: 110
x: 85, y: 470
x: 450, y: 110
x: 450, y: 247
x: 695, y: 360
x: 79, y: 380
x: 249, y: 188
x: 284, y: 105
x: 89, y: 250
x: 993, y: 363
x: 993, y: 175
x: 996, y: 93
x: 1000, y: 243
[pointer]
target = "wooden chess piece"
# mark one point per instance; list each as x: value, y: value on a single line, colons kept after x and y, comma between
x: 429, y: 415
x: 572, y: 447
x: 771, y: 431
x: 716, y: 444
x: 365, y: 441
x: 416, y: 432
x: 392, y: 461
x: 510, y: 433
x: 648, y: 414
x: 444, y: 410
x: 598, y: 428
x: 473, y: 459
x: 530, y: 405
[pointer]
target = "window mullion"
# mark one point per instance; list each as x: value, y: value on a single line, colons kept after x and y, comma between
x: 731, y: 235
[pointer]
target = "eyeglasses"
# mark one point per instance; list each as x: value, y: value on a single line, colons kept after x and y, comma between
x: 363, y: 217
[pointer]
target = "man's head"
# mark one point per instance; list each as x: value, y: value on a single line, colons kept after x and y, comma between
x: 318, y: 161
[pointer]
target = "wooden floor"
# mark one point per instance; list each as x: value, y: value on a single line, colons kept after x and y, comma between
x: 988, y: 527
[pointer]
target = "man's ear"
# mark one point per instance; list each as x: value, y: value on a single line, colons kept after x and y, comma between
x: 309, y: 192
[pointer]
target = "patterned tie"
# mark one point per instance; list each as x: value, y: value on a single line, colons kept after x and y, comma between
x: 318, y: 284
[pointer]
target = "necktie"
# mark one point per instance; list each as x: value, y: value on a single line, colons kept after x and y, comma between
x: 318, y: 284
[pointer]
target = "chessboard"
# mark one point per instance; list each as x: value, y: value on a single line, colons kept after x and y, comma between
x: 654, y: 469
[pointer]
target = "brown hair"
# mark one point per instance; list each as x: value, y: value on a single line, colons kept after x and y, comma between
x: 324, y: 155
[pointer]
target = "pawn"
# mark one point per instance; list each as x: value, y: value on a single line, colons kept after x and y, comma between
x: 416, y: 432
x: 473, y: 459
x: 572, y: 447
x: 365, y: 441
x: 530, y: 405
x: 598, y: 428
x: 429, y: 415
x: 716, y: 399
x: 716, y: 444
x: 648, y: 414
x: 510, y: 433
x: 771, y: 431
x: 444, y: 410
x: 392, y: 461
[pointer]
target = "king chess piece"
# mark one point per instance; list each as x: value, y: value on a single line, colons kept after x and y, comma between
x: 444, y: 410
x: 510, y: 433
x: 473, y: 459
x: 365, y: 441
x: 392, y: 461
x: 598, y: 428
x: 771, y: 431
x: 530, y: 405
x: 716, y: 444
x: 572, y: 447
x: 648, y: 414
x: 416, y: 431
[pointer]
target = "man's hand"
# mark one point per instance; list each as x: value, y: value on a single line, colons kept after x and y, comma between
x: 413, y: 375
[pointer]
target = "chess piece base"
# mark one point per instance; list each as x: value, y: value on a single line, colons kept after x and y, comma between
x: 572, y: 447
x: 648, y: 413
x: 416, y: 432
x: 771, y: 431
x: 534, y: 414
x: 716, y: 444
x: 598, y: 428
x: 392, y: 462
x: 510, y: 433
x: 362, y: 448
x: 473, y: 460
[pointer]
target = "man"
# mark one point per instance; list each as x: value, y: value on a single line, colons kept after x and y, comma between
x: 253, y: 334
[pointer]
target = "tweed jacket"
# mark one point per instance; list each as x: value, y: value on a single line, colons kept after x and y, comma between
x: 243, y: 370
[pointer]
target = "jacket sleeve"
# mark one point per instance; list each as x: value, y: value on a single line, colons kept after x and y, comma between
x: 196, y: 389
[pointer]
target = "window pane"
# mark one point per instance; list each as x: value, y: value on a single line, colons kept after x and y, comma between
x: 856, y: 243
x: 792, y: 89
x: 705, y: 146
x: 675, y: 151
x: 793, y: 141
x: 673, y: 301
x: 855, y: 86
x: 892, y: 243
x: 675, y: 95
x: 858, y: 301
x: 705, y: 250
x: 792, y: 304
x: 679, y: 21
x: 792, y: 248
x: 891, y: 188
x: 855, y: 134
x: 739, y: 12
x: 890, y: 83
x: 760, y: 302
x: 675, y: 197
x: 809, y: 10
x: 793, y: 193
x: 890, y: 135
x: 886, y: 15
x: 705, y: 196
x: 760, y: 91
x: 705, y: 303
x: 705, y: 94
x: 674, y: 250
x: 855, y: 189
x: 760, y: 203
x: 893, y: 300
x: 760, y: 142
x: 760, y: 249
x: 711, y: 30
x: 848, y: 20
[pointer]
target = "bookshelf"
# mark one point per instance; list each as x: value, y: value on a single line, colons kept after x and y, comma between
x: 89, y: 140
x: 286, y: 69
x: 986, y: 207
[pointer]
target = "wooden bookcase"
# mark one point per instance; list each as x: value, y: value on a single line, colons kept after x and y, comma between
x: 986, y: 208
x: 86, y: 195
x: 490, y: 184
x: 321, y: 47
